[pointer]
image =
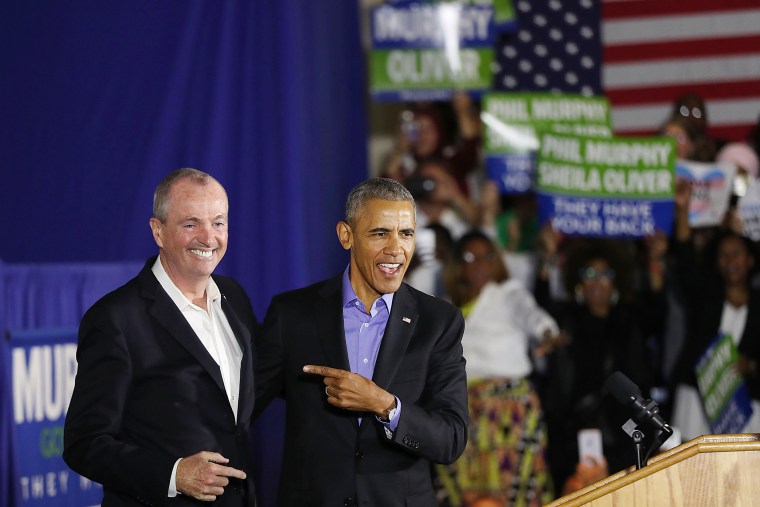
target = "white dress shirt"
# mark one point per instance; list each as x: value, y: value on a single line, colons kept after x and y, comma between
x: 214, y: 332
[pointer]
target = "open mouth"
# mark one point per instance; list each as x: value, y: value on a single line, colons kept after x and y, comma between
x: 206, y: 254
x: 389, y: 268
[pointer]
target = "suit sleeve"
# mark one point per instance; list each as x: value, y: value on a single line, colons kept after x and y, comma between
x: 269, y: 359
x: 435, y: 426
x: 93, y: 422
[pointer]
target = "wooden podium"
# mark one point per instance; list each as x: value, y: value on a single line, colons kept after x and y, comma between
x: 709, y: 471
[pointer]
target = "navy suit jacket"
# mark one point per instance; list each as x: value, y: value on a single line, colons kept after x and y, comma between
x: 329, y: 458
x: 147, y: 392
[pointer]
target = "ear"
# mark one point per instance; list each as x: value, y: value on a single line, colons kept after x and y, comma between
x: 155, y: 228
x: 345, y: 234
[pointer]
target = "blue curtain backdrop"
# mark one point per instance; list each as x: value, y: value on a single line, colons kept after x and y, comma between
x: 100, y: 99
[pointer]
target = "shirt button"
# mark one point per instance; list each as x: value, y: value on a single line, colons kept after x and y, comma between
x: 366, y: 360
x: 366, y: 324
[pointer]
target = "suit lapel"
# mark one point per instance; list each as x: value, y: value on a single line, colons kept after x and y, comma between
x: 168, y: 315
x: 398, y: 332
x: 328, y: 310
x: 329, y: 316
x: 246, y: 395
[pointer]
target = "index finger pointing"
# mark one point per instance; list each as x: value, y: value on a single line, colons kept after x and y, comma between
x: 325, y: 371
x: 231, y: 472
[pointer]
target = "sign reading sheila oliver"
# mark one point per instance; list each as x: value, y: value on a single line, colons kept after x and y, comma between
x: 513, y: 123
x: 614, y: 187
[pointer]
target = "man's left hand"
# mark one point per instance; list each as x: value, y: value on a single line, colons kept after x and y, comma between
x: 351, y: 391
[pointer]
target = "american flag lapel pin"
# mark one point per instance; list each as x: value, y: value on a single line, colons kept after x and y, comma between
x: 407, y: 320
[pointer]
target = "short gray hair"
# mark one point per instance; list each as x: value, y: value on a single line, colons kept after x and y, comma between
x: 384, y: 189
x: 161, y: 195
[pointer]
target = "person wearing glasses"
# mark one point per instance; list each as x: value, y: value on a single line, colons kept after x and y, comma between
x: 608, y: 331
x: 505, y: 330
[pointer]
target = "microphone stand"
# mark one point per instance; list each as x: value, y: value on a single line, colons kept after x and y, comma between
x: 638, y: 441
x: 637, y: 436
x: 646, y: 413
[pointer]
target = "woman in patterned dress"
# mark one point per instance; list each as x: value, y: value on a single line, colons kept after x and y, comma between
x: 505, y: 455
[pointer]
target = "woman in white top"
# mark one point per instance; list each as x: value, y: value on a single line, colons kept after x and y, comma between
x: 505, y: 454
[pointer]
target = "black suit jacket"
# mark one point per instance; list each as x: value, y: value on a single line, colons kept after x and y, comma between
x: 147, y: 393
x: 329, y: 458
x: 706, y: 324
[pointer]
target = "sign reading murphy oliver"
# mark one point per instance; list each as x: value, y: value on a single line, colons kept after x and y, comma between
x: 514, y: 122
x: 615, y: 187
x: 42, y: 367
x: 424, y: 50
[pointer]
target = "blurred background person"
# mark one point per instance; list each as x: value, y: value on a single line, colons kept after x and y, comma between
x: 722, y: 301
x: 432, y: 249
x: 422, y: 135
x: 607, y: 329
x: 513, y: 221
x: 691, y: 143
x: 743, y: 157
x: 440, y: 201
x: 504, y: 330
x: 692, y: 107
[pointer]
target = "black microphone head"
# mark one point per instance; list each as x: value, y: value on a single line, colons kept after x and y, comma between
x: 622, y: 388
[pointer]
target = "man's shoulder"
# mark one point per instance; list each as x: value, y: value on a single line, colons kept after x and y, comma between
x: 323, y: 288
x: 117, y: 299
x: 144, y: 282
x: 425, y: 301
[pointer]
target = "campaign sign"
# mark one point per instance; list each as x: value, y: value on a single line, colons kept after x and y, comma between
x: 726, y: 401
x: 427, y: 50
x: 749, y: 210
x: 514, y: 122
x: 612, y: 187
x: 42, y: 366
x: 711, y: 186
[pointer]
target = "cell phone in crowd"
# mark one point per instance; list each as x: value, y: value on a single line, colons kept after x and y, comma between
x: 409, y: 126
x: 590, y: 445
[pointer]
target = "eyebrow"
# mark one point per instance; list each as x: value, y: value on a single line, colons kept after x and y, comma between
x: 193, y: 218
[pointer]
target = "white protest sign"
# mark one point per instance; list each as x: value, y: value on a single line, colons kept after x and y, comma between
x: 711, y: 188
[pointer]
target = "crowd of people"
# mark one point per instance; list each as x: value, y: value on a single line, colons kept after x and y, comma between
x: 466, y: 386
x: 548, y: 318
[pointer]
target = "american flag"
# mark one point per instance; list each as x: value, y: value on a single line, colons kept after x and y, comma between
x: 641, y: 54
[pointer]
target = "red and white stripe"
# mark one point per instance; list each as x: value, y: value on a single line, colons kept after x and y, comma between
x: 655, y: 50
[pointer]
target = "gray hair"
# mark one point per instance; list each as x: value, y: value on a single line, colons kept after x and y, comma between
x: 384, y: 189
x: 161, y: 195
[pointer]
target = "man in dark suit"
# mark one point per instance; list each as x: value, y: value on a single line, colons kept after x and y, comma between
x: 371, y: 369
x: 164, y: 389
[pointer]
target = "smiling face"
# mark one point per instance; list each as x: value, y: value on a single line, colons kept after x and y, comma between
x: 193, y: 238
x: 381, y: 244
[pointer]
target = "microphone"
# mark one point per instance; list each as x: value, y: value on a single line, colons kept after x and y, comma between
x: 628, y: 394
